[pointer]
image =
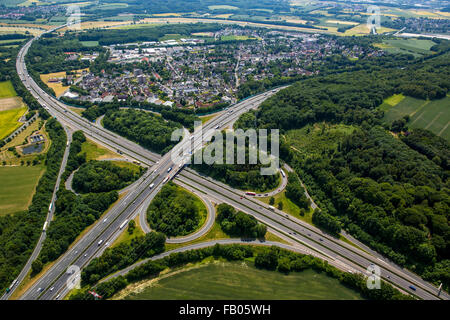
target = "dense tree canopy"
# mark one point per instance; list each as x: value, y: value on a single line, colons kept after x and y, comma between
x: 72, y: 215
x: 238, y: 223
x: 352, y: 97
x: 147, y: 129
x: 390, y: 193
x: 242, y: 176
x: 385, y: 193
x: 433, y: 147
x: 296, y: 192
x: 175, y: 212
x: 102, y: 176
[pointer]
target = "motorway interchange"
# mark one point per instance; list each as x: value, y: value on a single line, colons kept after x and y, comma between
x: 53, y: 284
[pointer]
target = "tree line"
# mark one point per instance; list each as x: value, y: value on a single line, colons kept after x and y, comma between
x: 270, y: 258
x: 120, y: 36
x: 123, y: 255
x: 19, y: 232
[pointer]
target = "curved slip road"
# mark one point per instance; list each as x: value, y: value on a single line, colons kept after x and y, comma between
x: 202, y: 231
x: 201, y: 245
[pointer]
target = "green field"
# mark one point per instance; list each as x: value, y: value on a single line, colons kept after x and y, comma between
x: 222, y: 7
x: 416, y: 47
x: 17, y: 187
x: 9, y: 121
x: 431, y: 115
x: 89, y: 43
x: 7, y: 90
x: 111, y: 6
x: 289, y: 207
x: 237, y: 281
x: 125, y: 164
x: 96, y: 152
x: 314, y: 139
x: 232, y: 37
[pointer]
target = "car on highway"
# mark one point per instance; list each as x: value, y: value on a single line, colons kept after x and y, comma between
x: 100, y: 242
x: 412, y: 287
x: 52, y: 288
x: 168, y: 170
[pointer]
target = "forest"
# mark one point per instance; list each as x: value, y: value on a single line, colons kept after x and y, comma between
x: 242, y: 176
x: 175, y: 212
x: 271, y: 258
x: 239, y: 224
x: 427, y: 143
x: 19, y: 232
x: 352, y: 97
x: 147, y: 129
x: 120, y: 36
x: 103, y: 176
x: 392, y: 194
x: 386, y: 194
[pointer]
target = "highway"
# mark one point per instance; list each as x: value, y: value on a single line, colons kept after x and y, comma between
x: 52, y: 284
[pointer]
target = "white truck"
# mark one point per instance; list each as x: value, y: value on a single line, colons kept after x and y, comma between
x: 123, y: 224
